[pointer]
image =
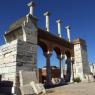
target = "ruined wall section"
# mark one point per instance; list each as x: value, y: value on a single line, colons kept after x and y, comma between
x: 15, y: 56
x: 81, y: 66
x: 19, y: 54
x: 86, y: 69
x: 8, y: 53
x: 78, y: 66
x: 15, y: 34
x: 26, y: 56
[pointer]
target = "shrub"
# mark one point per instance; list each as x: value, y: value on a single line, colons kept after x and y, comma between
x: 77, y: 80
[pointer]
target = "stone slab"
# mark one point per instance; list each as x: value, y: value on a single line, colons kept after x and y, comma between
x: 38, y: 88
x: 27, y: 90
x: 27, y: 76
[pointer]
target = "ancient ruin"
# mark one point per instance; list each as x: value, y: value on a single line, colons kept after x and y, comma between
x: 18, y: 56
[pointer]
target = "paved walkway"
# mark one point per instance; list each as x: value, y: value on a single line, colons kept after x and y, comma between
x: 74, y: 89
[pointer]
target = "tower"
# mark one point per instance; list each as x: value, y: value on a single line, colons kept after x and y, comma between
x: 81, y: 66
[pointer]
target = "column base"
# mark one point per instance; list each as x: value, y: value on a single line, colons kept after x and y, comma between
x: 62, y: 81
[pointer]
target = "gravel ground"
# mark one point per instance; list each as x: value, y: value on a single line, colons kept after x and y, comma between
x: 73, y: 89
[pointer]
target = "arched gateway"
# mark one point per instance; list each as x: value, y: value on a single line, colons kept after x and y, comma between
x: 20, y: 50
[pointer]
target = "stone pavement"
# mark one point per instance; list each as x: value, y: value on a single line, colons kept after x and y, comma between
x: 73, y: 89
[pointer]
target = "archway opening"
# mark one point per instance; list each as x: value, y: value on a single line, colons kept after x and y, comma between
x: 54, y: 60
x: 41, y: 61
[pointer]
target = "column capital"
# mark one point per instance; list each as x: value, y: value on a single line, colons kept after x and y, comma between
x: 48, y: 53
x: 59, y: 21
x: 68, y: 27
x: 61, y: 56
x: 31, y: 4
x: 47, y: 13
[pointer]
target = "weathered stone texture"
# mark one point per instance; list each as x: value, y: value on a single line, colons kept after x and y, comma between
x: 26, y: 56
x: 81, y: 61
x: 15, y: 56
x: 8, y: 61
x: 19, y: 53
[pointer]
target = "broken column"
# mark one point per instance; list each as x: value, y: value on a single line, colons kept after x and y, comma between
x: 31, y: 5
x: 59, y: 27
x: 47, y: 14
x: 68, y: 33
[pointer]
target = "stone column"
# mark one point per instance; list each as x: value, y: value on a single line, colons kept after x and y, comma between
x: 48, y: 67
x: 59, y: 27
x: 68, y: 33
x: 68, y: 74
x: 72, y: 72
x: 47, y: 14
x: 61, y: 57
x: 31, y: 5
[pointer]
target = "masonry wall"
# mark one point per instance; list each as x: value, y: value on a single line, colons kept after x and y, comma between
x: 26, y: 56
x: 15, y: 34
x: 92, y: 68
x: 81, y: 67
x: 15, y: 56
x: 8, y: 53
x: 19, y: 52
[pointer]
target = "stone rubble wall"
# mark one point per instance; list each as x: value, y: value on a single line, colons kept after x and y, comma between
x: 8, y: 54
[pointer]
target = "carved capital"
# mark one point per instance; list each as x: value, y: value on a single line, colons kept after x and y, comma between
x: 48, y: 54
x: 61, y: 57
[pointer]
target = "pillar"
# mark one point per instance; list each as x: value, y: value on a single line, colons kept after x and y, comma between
x: 48, y: 67
x: 68, y: 33
x: 68, y: 74
x: 81, y: 59
x: 59, y: 27
x: 61, y: 57
x: 31, y: 5
x: 47, y: 14
x: 72, y: 71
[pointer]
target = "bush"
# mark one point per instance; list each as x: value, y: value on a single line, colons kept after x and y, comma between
x: 77, y: 80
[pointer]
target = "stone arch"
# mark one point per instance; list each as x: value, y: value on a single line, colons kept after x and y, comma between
x: 57, y: 50
x: 43, y: 45
x: 68, y: 53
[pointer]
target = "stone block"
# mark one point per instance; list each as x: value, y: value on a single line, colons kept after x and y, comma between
x: 27, y: 90
x: 91, y: 78
x: 41, y: 86
x: 38, y: 88
x: 27, y: 76
x: 35, y: 87
x: 55, y: 80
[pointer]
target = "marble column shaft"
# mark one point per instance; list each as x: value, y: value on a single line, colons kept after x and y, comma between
x: 31, y: 5
x: 59, y: 27
x: 47, y: 14
x: 48, y: 67
x: 60, y: 57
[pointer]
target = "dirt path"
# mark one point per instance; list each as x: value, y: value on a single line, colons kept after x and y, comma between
x: 74, y: 89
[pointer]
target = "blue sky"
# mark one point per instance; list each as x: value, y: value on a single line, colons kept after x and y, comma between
x: 80, y: 14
